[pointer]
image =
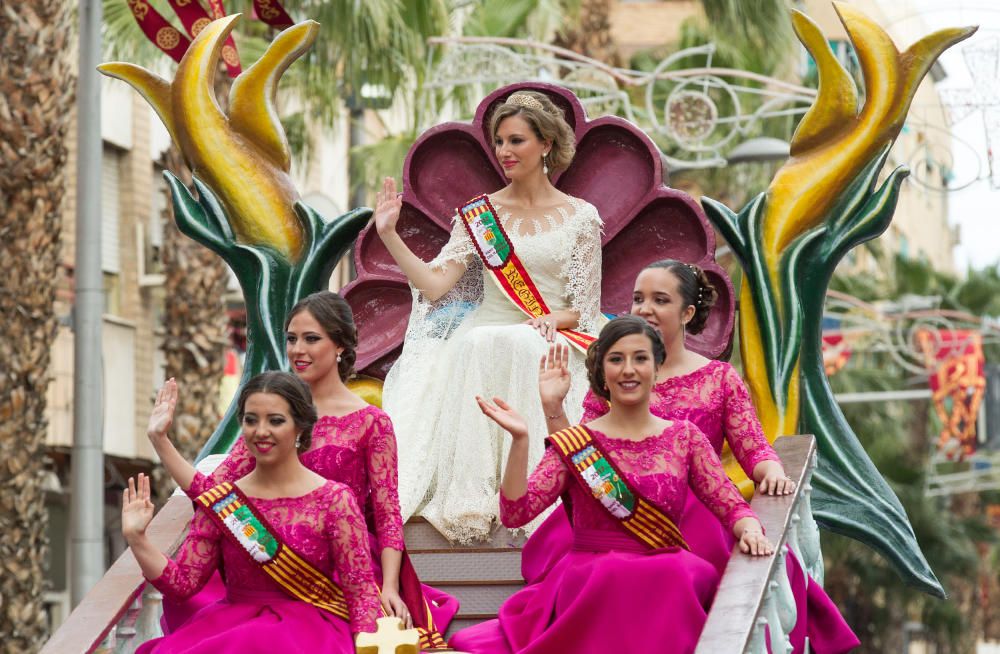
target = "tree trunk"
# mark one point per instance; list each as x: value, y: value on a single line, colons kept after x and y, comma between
x: 195, y: 339
x: 591, y: 36
x: 36, y: 105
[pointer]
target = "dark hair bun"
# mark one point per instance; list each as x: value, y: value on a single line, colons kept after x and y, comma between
x: 696, y: 290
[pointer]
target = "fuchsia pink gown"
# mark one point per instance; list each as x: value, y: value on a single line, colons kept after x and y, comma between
x: 359, y: 450
x: 715, y: 399
x: 609, y: 593
x: 326, y: 528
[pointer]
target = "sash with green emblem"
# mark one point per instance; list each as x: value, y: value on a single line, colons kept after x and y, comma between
x: 497, y: 253
x: 236, y: 517
x: 593, y: 470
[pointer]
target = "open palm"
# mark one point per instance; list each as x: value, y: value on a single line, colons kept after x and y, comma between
x: 137, y: 508
x: 162, y: 415
x: 501, y: 413
x: 553, y: 375
x: 387, y: 207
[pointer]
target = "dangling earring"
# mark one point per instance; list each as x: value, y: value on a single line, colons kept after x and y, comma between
x: 545, y: 163
x: 338, y: 357
x: 298, y: 441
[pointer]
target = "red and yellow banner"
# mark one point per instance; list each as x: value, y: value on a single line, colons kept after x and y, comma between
x: 954, y: 358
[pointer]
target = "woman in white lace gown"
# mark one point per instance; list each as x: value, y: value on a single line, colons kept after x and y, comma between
x: 466, y: 337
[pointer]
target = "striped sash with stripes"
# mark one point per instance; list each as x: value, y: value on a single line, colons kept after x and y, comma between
x: 640, y: 518
x: 235, y: 516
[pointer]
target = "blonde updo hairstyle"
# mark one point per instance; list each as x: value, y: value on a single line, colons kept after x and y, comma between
x: 547, y: 122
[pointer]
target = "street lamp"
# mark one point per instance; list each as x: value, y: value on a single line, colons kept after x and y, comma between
x: 762, y: 148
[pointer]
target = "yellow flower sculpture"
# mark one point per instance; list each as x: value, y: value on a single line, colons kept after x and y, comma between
x: 822, y: 203
x: 246, y: 208
x: 243, y: 157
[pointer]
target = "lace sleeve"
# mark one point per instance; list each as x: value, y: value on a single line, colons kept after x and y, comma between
x: 593, y: 407
x: 707, y: 478
x: 196, y: 559
x: 348, y: 537
x: 458, y: 248
x: 545, y: 485
x: 583, y: 268
x: 741, y: 426
x: 237, y: 465
x: 383, y: 479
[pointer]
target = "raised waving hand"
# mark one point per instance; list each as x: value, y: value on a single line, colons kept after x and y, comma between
x: 160, y: 420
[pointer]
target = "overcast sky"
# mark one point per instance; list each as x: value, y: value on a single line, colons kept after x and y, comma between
x: 976, y: 209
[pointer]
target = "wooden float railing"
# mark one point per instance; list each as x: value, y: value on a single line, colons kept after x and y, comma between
x: 755, y: 593
x: 121, y: 612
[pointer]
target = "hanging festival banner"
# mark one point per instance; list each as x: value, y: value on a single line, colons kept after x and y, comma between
x: 158, y: 29
x: 229, y: 55
x: 954, y: 359
x: 836, y: 351
x: 272, y: 13
x: 194, y: 18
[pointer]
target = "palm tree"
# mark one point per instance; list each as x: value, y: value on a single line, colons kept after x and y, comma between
x: 36, y: 99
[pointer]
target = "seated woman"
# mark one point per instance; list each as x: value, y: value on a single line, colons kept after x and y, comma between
x: 353, y: 443
x: 675, y: 298
x: 625, y: 477
x: 469, y: 329
x: 279, y: 535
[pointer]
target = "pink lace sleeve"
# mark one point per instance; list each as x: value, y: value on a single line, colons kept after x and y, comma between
x: 707, y: 478
x: 196, y: 559
x: 593, y: 407
x: 383, y: 471
x: 741, y: 425
x: 237, y: 465
x: 348, y: 536
x: 545, y: 485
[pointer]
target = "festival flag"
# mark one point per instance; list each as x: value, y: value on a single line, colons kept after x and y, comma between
x: 229, y: 55
x: 836, y: 351
x: 194, y: 18
x: 272, y: 13
x: 159, y: 30
x: 954, y: 359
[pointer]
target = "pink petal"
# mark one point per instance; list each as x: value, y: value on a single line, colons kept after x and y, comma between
x: 716, y: 338
x: 447, y: 167
x: 614, y: 170
x: 381, y: 309
x: 423, y: 236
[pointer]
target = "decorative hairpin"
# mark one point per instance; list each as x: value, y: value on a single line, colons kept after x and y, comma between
x: 524, y: 100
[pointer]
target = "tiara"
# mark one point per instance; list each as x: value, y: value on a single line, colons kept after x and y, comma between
x: 524, y: 100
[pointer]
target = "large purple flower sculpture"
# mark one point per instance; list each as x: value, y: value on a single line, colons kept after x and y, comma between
x: 617, y: 168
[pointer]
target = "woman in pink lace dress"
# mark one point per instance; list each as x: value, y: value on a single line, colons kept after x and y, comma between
x: 317, y: 519
x: 675, y: 298
x: 611, y: 592
x: 353, y: 443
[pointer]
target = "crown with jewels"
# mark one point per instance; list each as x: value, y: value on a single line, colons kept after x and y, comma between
x: 524, y: 100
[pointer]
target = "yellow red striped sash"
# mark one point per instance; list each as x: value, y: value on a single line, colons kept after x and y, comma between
x: 234, y: 514
x: 496, y: 251
x: 593, y: 469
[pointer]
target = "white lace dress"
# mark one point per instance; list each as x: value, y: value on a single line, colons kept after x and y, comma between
x: 473, y: 341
